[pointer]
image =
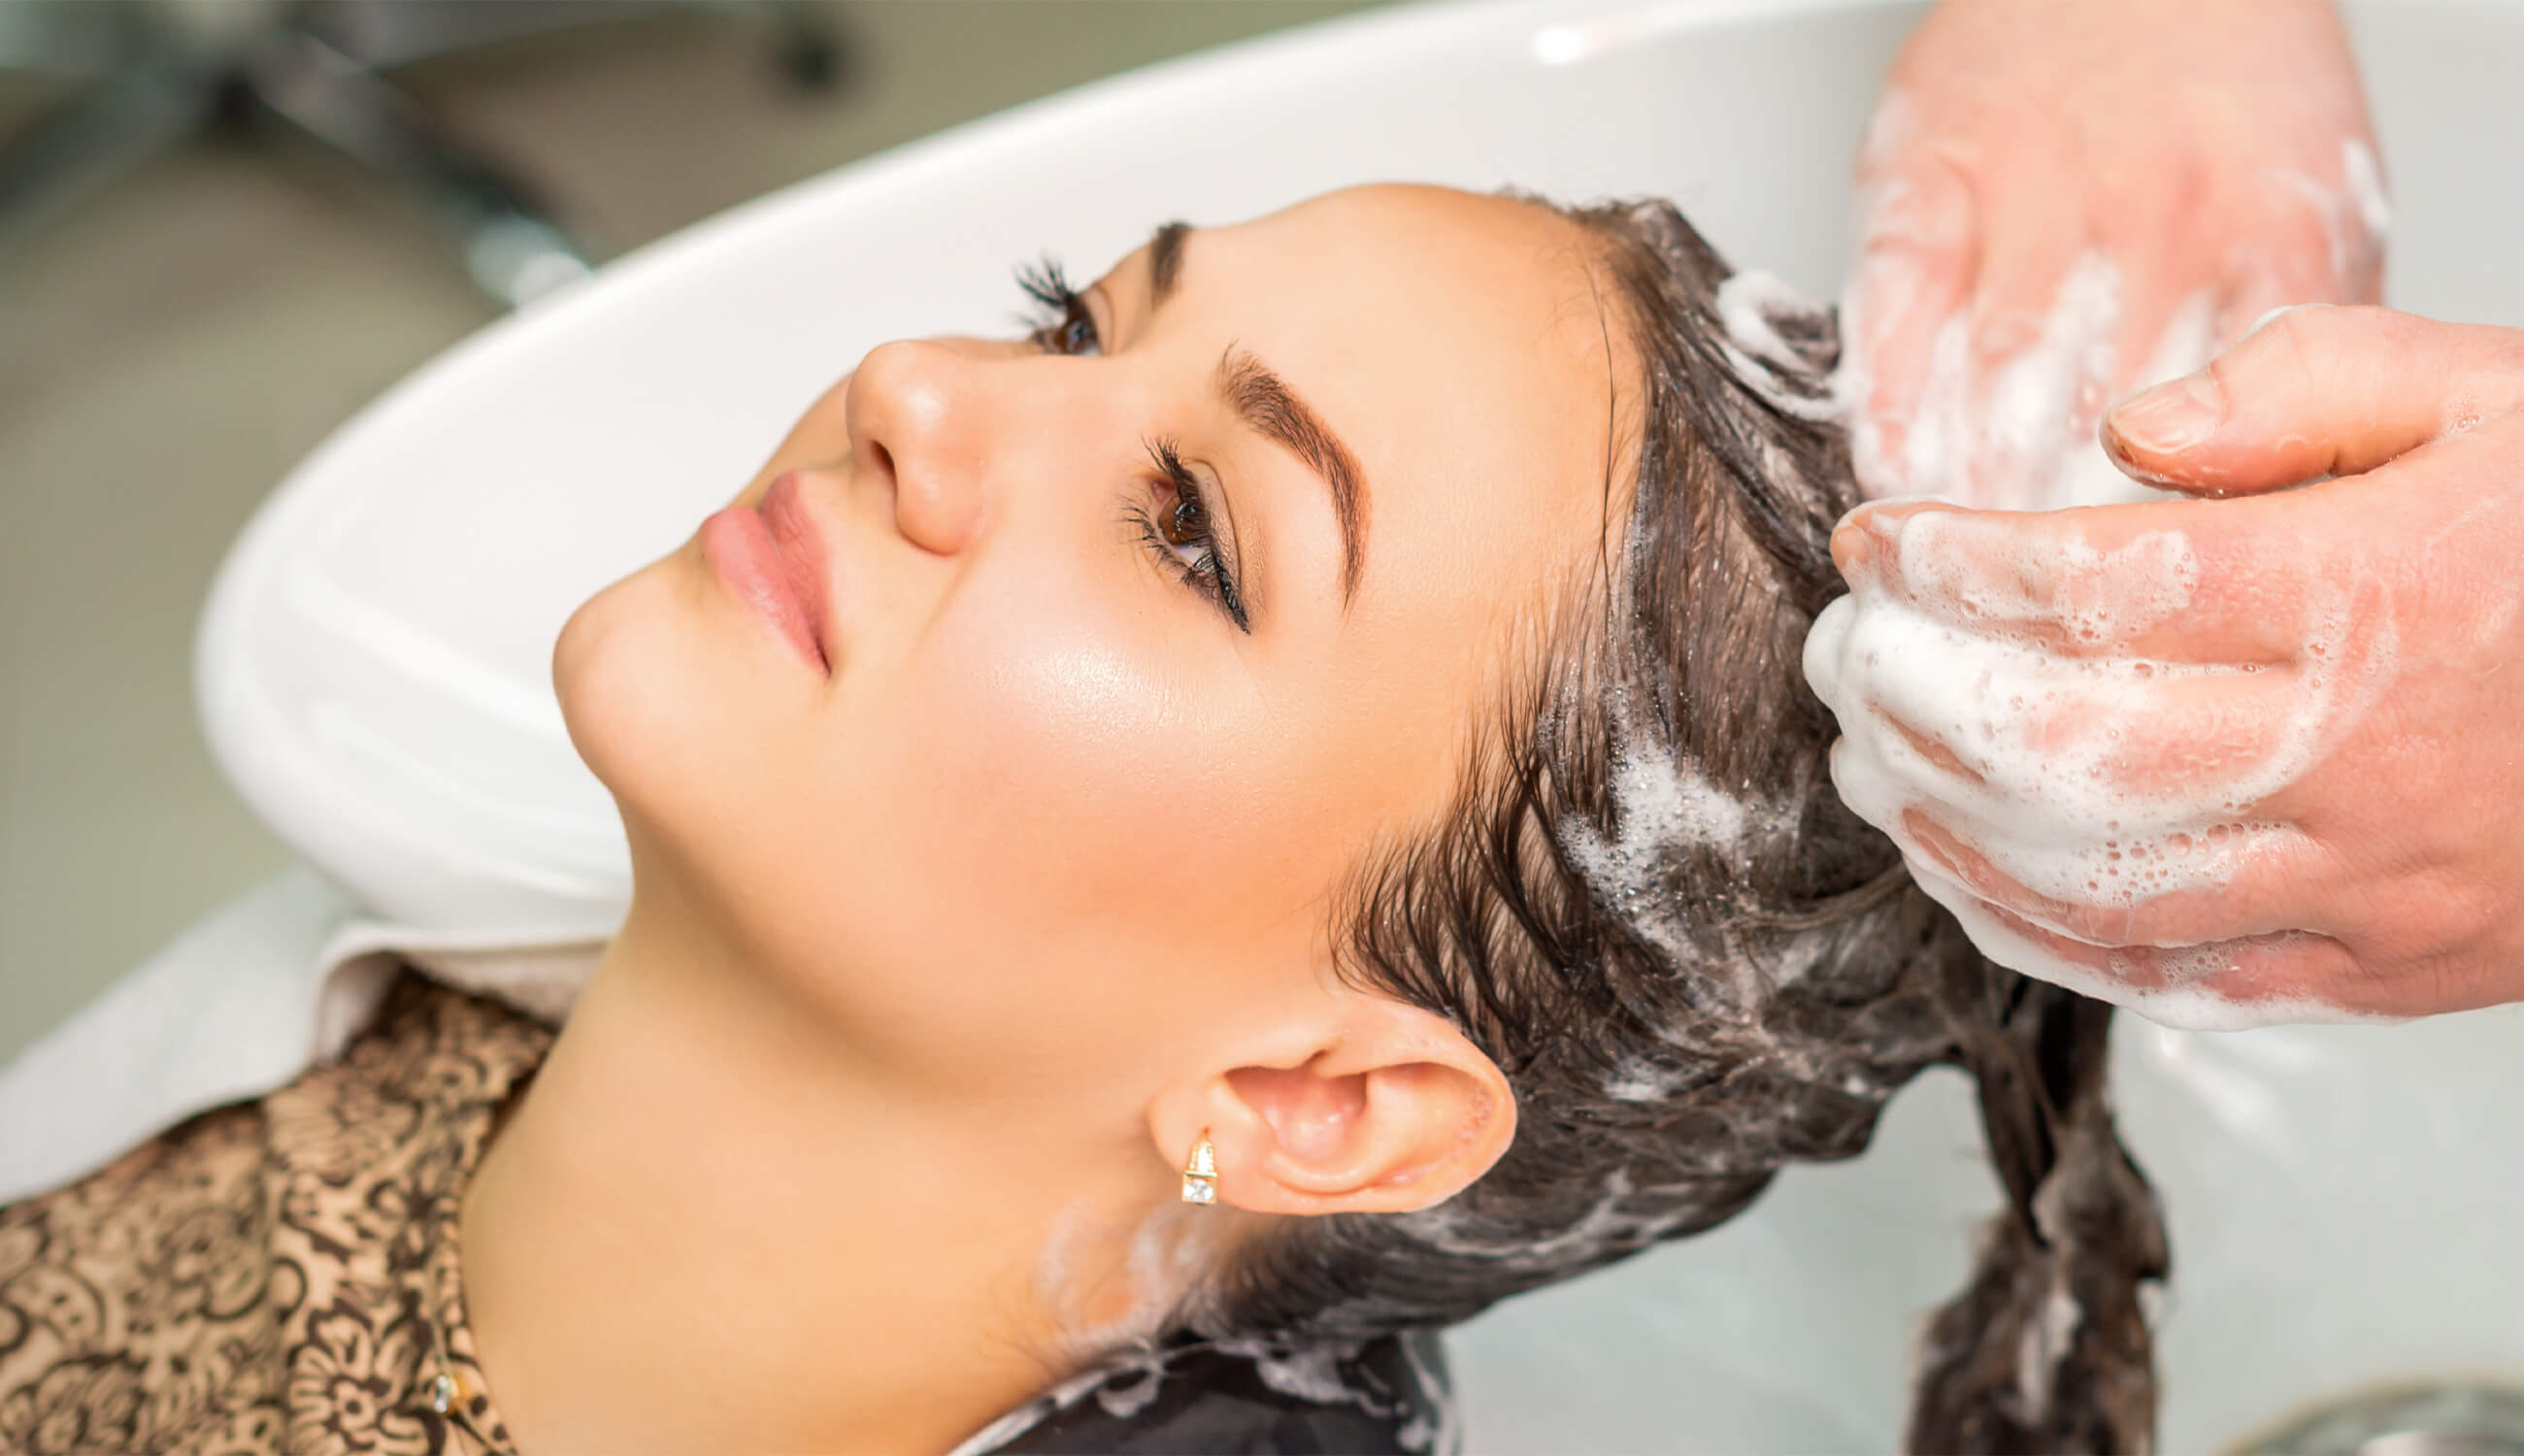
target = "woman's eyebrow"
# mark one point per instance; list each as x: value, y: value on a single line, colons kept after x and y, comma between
x: 1267, y: 404
x: 1264, y: 401
x: 1165, y: 261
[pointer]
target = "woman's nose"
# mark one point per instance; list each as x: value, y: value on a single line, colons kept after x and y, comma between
x: 911, y: 421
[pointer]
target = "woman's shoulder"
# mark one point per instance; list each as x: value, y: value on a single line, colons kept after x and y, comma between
x: 204, y: 1286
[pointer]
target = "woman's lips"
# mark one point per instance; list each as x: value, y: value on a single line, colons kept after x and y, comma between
x: 774, y: 561
x: 801, y: 547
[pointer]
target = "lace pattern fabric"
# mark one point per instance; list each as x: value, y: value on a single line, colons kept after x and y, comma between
x: 277, y: 1276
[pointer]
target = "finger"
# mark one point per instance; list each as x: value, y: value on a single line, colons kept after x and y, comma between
x: 2289, y: 262
x: 2370, y: 210
x: 2111, y: 821
x: 2095, y: 742
x: 2165, y: 336
x: 1853, y: 552
x: 2317, y: 392
x: 2136, y: 748
x: 2224, y: 883
x: 2321, y: 230
x: 2031, y: 248
x: 2307, y: 242
x: 2256, y: 299
x: 1914, y: 265
x: 2290, y: 976
x: 2046, y: 833
x: 2043, y: 307
x: 1883, y: 780
x: 2171, y: 276
x: 2163, y: 581
x: 2220, y: 739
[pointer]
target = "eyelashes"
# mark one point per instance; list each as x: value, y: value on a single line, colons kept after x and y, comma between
x: 1060, y: 320
x: 1179, y: 532
x: 1184, y: 538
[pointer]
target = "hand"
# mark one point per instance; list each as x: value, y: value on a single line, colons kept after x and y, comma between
x: 2067, y: 198
x: 2224, y: 762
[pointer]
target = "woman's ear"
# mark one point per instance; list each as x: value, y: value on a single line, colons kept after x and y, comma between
x: 1386, y: 1109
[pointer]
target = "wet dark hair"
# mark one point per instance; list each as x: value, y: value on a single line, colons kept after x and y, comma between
x: 1693, y: 964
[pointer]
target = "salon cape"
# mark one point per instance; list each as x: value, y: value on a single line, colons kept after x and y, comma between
x: 274, y: 980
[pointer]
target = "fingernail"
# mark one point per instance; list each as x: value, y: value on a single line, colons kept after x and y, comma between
x: 2173, y: 417
x: 1853, y: 549
x: 1870, y: 536
x: 2272, y: 316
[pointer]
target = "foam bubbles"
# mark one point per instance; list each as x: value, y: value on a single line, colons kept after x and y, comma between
x: 2046, y: 1342
x: 1310, y: 1371
x: 1751, y: 307
x: 2018, y: 435
x: 1637, y: 1080
x: 1665, y: 807
x: 1161, y: 1257
x: 2365, y: 181
x: 1436, y: 1428
x: 2092, y: 595
x: 2011, y: 700
x: 1659, y: 804
x: 2355, y: 216
x: 2034, y: 402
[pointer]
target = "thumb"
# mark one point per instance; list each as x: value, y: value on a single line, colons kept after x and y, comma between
x: 2316, y: 391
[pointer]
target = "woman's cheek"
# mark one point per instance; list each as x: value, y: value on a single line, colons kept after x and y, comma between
x: 1093, y: 741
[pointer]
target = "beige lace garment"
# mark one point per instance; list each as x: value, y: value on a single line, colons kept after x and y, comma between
x: 278, y: 1275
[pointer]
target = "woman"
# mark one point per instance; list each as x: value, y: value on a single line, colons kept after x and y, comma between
x: 1170, y: 856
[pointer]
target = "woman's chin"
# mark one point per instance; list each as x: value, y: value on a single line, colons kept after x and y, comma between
x: 687, y: 713
x: 642, y: 696
x: 584, y: 675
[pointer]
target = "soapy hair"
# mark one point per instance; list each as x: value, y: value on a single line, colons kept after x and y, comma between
x: 1693, y: 964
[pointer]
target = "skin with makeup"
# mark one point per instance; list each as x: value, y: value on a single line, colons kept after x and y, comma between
x: 989, y: 766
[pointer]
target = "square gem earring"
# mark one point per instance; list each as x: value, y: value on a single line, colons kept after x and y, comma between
x: 1200, y: 1172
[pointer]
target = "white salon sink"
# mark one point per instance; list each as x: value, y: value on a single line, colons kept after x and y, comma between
x: 372, y: 664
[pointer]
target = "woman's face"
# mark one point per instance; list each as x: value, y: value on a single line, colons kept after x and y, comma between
x: 1134, y: 637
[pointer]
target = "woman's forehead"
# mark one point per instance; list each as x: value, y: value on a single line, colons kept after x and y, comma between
x: 1409, y: 273
x: 1463, y: 344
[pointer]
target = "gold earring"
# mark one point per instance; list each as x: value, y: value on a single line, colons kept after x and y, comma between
x: 1200, y: 1172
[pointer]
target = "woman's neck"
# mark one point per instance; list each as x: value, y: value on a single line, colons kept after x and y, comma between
x: 706, y: 1229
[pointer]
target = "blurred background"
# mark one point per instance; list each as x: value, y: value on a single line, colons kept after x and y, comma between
x: 227, y: 224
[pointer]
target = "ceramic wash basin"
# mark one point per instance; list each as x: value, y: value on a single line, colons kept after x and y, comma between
x: 372, y: 663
